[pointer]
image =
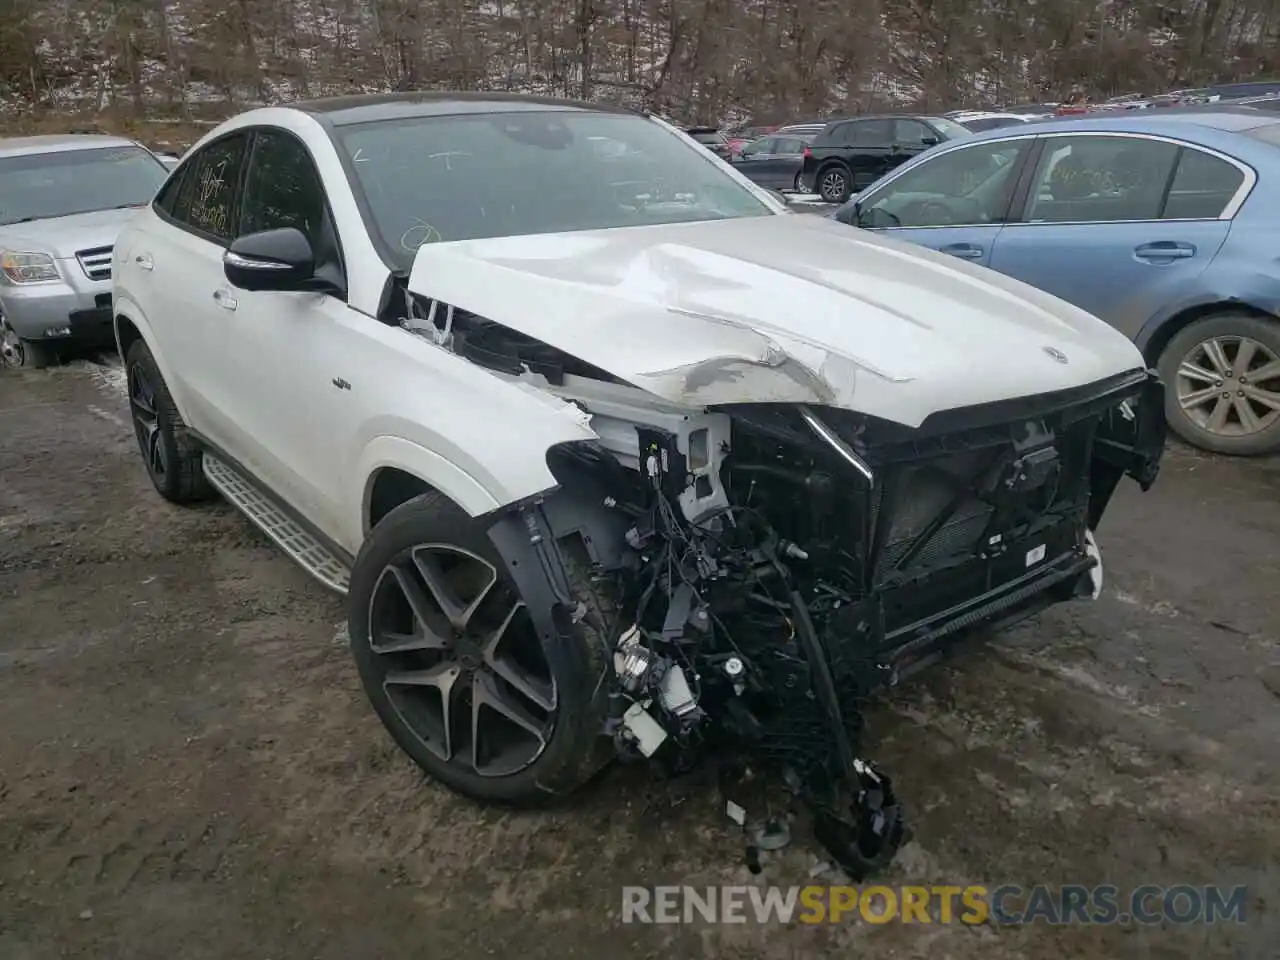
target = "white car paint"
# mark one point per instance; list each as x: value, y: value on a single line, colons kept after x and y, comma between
x: 797, y: 309
x: 779, y: 307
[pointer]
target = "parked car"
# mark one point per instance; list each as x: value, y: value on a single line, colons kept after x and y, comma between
x: 1161, y: 223
x: 979, y: 120
x: 594, y: 450
x: 773, y: 161
x: 1270, y: 103
x: 853, y: 153
x: 62, y: 201
x: 712, y: 139
x: 1235, y: 91
x: 740, y: 138
x: 1032, y: 109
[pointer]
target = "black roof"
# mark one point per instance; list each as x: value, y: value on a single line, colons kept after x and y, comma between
x: 362, y: 108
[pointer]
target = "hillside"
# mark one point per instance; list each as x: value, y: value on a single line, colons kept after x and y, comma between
x: 696, y: 60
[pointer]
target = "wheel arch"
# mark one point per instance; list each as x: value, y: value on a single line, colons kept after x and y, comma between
x: 1155, y: 336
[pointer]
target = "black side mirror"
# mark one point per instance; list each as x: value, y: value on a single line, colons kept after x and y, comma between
x: 930, y: 141
x: 280, y: 259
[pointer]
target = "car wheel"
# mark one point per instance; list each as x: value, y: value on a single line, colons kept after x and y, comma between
x: 834, y: 185
x: 172, y: 458
x: 16, y: 352
x: 1222, y: 383
x: 797, y: 185
x: 449, y: 658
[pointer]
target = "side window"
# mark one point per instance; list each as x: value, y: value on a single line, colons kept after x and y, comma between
x: 789, y: 145
x: 205, y: 200
x: 871, y: 133
x: 839, y: 135
x: 167, y: 198
x: 1202, y: 186
x: 1100, y: 179
x: 283, y: 188
x: 913, y: 133
x: 972, y: 185
x: 766, y: 145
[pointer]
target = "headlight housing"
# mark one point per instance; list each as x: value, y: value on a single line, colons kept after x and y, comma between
x: 17, y: 267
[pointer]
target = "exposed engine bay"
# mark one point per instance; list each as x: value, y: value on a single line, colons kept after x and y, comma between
x: 770, y: 566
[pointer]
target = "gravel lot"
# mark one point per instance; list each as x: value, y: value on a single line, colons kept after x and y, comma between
x: 189, y: 770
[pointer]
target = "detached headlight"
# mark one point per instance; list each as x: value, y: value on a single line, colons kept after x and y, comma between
x: 27, y: 267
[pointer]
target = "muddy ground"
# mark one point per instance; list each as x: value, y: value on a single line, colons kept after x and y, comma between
x: 189, y: 770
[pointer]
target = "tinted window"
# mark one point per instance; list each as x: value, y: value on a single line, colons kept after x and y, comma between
x: 871, y: 133
x: 206, y: 199
x: 1100, y: 179
x: 167, y: 198
x: 913, y: 133
x: 988, y: 123
x: 968, y: 186
x: 789, y: 145
x: 949, y: 129
x: 34, y: 186
x: 282, y: 188
x: 514, y: 174
x: 1202, y: 187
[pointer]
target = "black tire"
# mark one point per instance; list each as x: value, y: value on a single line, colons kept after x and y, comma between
x: 834, y: 183
x: 24, y: 354
x: 798, y: 184
x: 172, y: 458
x: 1229, y: 326
x: 575, y: 749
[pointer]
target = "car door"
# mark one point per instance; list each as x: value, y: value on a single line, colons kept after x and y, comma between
x: 175, y: 265
x: 753, y: 162
x: 910, y: 138
x: 871, y: 155
x: 784, y: 165
x: 1117, y: 223
x: 955, y: 202
x: 281, y: 411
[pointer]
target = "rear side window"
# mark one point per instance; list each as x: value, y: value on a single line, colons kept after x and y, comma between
x: 1202, y: 186
x: 872, y: 133
x: 205, y: 201
x: 1101, y: 179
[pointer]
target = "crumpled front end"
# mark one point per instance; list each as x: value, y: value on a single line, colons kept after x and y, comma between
x: 773, y: 565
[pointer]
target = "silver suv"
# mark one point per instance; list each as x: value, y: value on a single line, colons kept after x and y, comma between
x: 63, y: 199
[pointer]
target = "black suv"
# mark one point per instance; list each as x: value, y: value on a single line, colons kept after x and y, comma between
x: 849, y: 155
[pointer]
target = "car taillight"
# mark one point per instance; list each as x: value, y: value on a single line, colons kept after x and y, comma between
x: 806, y: 153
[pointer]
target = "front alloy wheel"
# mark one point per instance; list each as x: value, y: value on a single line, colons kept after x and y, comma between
x: 460, y: 661
x: 146, y: 421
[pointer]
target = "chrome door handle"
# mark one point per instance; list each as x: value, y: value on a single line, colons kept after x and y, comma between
x: 144, y: 261
x: 225, y: 300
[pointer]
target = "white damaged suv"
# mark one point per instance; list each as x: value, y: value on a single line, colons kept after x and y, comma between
x: 610, y: 453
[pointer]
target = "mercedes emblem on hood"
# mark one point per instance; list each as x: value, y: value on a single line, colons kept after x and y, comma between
x: 1056, y: 354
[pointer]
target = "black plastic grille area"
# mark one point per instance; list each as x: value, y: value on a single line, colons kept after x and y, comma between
x: 925, y: 492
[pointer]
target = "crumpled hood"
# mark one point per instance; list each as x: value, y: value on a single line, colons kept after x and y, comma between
x: 779, y: 309
x: 61, y: 237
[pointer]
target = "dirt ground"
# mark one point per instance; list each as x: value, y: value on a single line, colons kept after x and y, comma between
x: 188, y: 768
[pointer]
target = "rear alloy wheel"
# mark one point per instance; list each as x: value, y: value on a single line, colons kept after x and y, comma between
x: 16, y: 352
x: 798, y: 185
x: 1222, y: 382
x: 834, y: 185
x: 452, y: 663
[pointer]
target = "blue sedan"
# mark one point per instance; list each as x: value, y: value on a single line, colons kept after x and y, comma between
x: 1166, y: 224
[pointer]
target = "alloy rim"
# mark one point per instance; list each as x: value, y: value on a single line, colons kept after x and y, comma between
x: 460, y: 661
x: 1230, y: 386
x: 146, y: 421
x: 833, y: 185
x: 11, y: 350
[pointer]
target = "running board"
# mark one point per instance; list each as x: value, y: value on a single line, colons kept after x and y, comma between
x: 289, y: 535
